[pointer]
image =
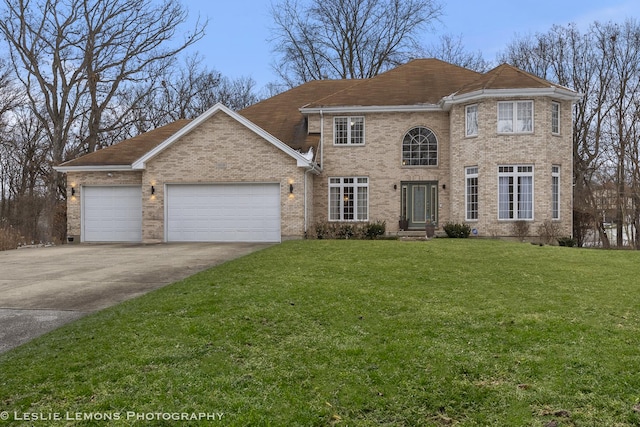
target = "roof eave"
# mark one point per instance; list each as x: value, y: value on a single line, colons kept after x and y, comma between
x: 551, y: 91
x: 93, y: 168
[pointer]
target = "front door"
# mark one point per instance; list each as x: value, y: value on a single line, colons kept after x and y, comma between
x: 419, y: 204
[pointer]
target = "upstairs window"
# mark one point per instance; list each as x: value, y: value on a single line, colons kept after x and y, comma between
x: 515, y: 117
x: 348, y: 130
x: 555, y: 118
x: 420, y: 148
x: 471, y: 115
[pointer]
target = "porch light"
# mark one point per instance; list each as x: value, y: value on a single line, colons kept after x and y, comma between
x: 290, y: 188
x: 73, y: 191
x: 153, y: 190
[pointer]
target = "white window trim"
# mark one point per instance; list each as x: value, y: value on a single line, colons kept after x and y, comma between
x: 514, y: 112
x: 466, y: 121
x: 349, y: 136
x: 515, y: 174
x: 555, y: 104
x: 341, y: 185
x: 469, y: 173
x: 555, y: 173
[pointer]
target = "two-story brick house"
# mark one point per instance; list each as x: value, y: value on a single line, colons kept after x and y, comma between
x: 425, y: 143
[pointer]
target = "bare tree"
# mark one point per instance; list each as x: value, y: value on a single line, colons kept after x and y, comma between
x: 184, y: 91
x: 73, y: 57
x: 602, y: 64
x: 347, y: 38
x: 451, y: 49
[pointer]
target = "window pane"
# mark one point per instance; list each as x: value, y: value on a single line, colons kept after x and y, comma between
x: 525, y: 197
x: 472, y: 120
x: 334, y: 204
x: 555, y: 192
x: 525, y: 116
x: 505, y: 117
x: 357, y: 130
x: 505, y: 197
x: 555, y: 117
x: 341, y: 130
x: 362, y: 203
x: 472, y: 198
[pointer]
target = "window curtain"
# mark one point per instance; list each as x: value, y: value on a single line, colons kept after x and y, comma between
x: 525, y: 197
x: 504, y: 197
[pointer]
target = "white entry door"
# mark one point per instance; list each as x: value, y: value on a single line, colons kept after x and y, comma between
x: 223, y: 213
x: 112, y: 214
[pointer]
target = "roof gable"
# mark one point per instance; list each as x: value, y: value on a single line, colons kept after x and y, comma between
x: 302, y: 160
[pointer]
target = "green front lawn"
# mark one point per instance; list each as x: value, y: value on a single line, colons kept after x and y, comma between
x: 356, y: 333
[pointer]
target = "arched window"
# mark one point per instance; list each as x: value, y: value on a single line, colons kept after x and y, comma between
x: 420, y: 147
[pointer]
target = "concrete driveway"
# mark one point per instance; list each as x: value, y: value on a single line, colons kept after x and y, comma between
x: 44, y: 288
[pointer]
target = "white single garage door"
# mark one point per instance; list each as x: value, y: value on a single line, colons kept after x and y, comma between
x: 112, y: 214
x: 223, y: 213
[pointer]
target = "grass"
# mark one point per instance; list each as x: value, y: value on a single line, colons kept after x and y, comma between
x: 358, y: 333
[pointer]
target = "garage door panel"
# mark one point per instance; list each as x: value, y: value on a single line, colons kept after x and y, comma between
x: 223, y: 212
x: 112, y: 214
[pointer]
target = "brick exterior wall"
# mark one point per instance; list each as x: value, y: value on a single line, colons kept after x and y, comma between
x: 489, y: 149
x: 78, y: 180
x: 379, y: 159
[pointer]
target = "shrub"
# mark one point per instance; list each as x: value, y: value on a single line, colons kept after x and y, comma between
x: 549, y: 231
x: 460, y: 231
x: 9, y: 238
x: 567, y: 241
x: 375, y: 229
x: 520, y: 229
x: 350, y: 230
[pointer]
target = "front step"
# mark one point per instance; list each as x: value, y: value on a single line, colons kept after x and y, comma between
x: 419, y: 233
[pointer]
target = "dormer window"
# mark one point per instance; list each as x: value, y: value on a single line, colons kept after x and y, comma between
x: 348, y: 130
x: 515, y: 117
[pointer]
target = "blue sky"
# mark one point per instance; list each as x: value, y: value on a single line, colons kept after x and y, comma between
x: 237, y: 42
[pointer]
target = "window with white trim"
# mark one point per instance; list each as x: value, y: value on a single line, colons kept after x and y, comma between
x: 349, y: 199
x: 555, y: 118
x: 515, y: 117
x: 555, y: 192
x: 348, y: 130
x: 420, y: 147
x: 471, y: 193
x: 471, y: 120
x: 515, y: 192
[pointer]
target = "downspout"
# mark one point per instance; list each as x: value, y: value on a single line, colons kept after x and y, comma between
x: 321, y: 140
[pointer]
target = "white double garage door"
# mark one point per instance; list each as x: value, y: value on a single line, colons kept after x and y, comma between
x: 192, y: 212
